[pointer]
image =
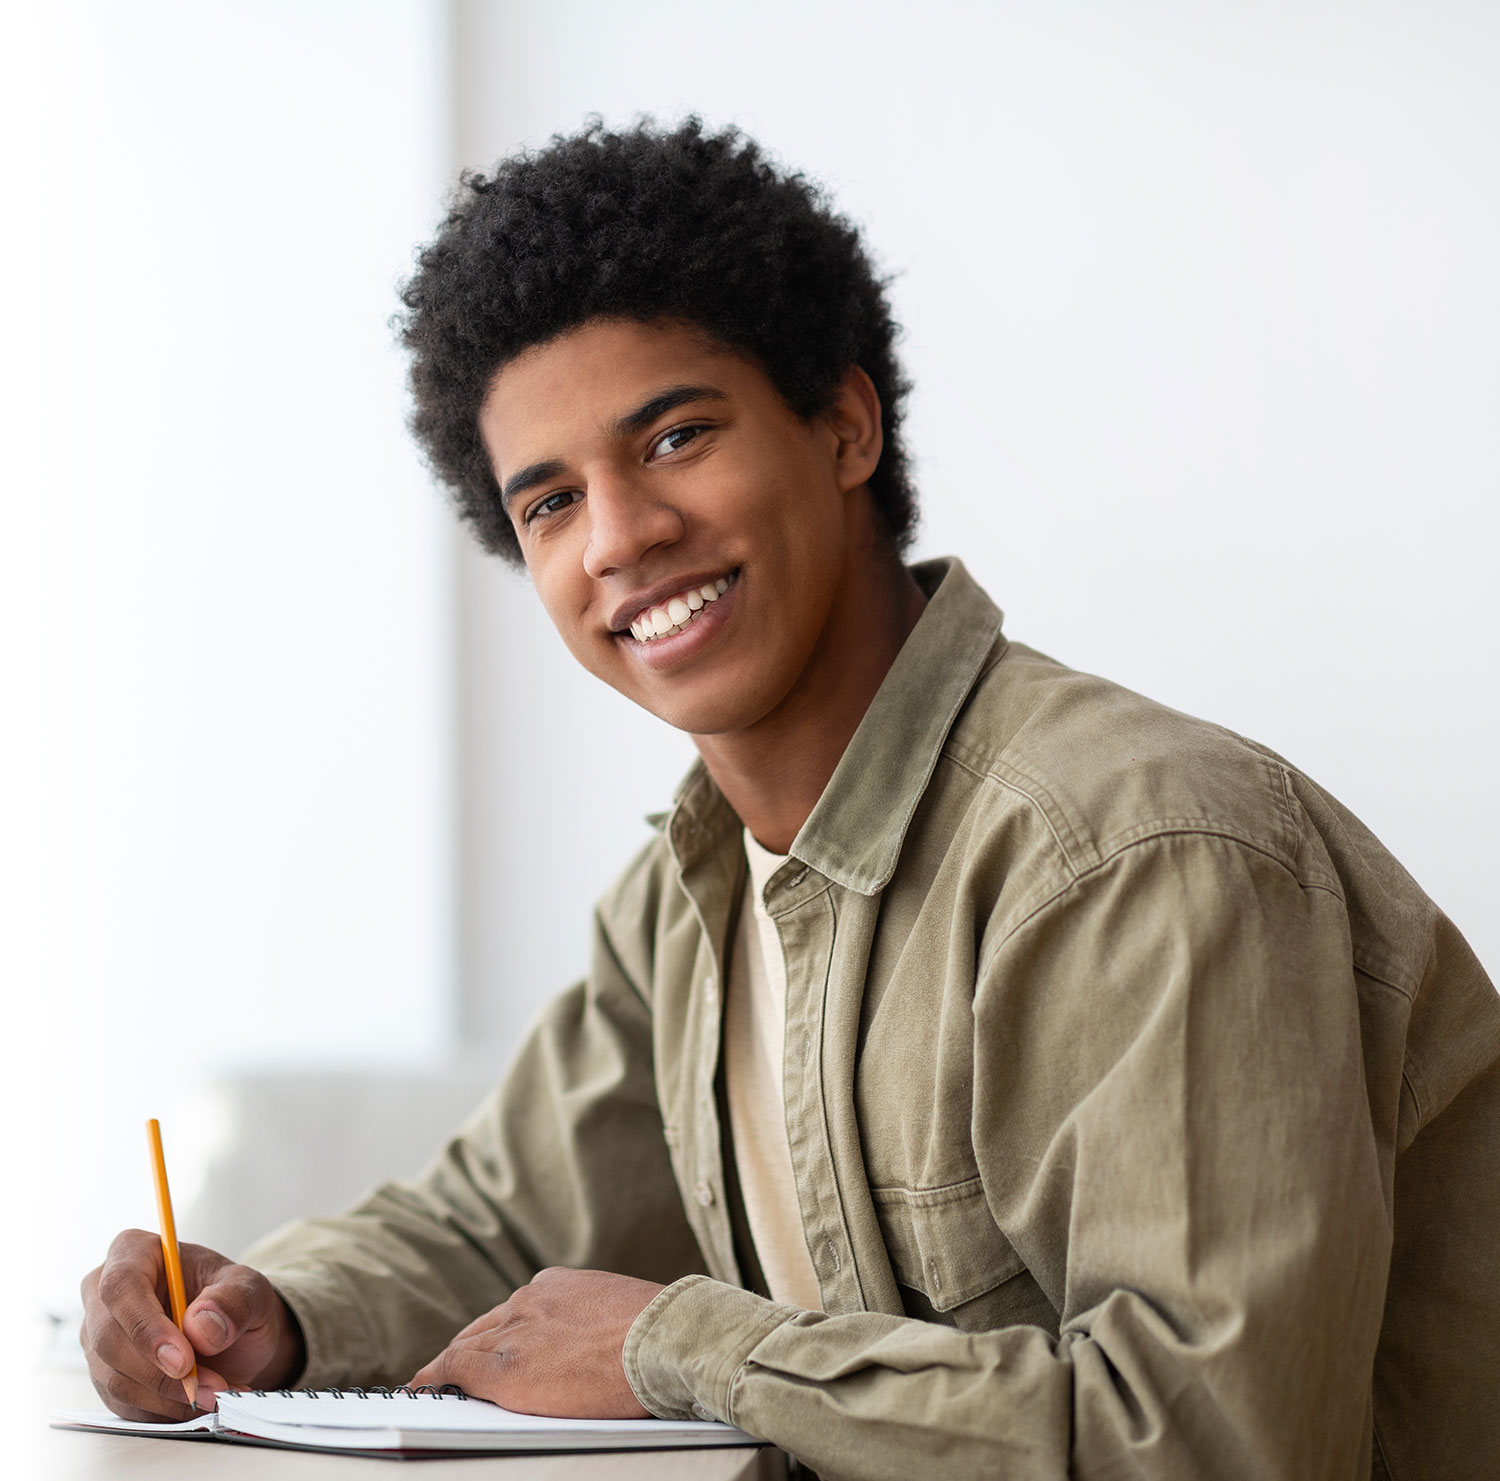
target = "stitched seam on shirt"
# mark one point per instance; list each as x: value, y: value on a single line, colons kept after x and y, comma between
x: 1368, y: 969
x: 1417, y: 1096
x: 1070, y: 847
x: 636, y: 1336
x: 1007, y: 773
x: 1294, y: 810
x: 1141, y: 832
x: 950, y: 754
x: 865, y: 883
x: 1229, y: 837
x: 785, y: 909
x: 1411, y: 1074
x: 741, y: 1375
x: 929, y: 1197
x: 1278, y: 773
x: 825, y: 1120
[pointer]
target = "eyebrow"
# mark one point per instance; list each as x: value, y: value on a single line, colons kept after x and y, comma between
x: 623, y: 427
x: 528, y: 478
x: 660, y: 404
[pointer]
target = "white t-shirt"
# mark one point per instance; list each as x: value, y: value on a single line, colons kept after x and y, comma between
x: 754, y: 1037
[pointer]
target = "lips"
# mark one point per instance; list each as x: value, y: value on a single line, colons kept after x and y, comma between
x: 674, y: 613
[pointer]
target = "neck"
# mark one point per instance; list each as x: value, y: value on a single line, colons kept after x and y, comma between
x: 773, y: 773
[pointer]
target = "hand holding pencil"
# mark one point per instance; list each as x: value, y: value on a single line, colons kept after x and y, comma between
x: 228, y: 1328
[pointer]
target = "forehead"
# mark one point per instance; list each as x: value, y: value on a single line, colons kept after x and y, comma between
x: 584, y: 381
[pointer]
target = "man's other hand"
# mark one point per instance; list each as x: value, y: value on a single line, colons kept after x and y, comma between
x: 138, y: 1358
x: 556, y: 1347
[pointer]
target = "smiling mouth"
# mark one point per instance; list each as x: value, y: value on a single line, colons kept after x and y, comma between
x: 678, y: 612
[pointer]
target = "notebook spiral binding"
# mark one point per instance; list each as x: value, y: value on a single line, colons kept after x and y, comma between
x: 379, y: 1390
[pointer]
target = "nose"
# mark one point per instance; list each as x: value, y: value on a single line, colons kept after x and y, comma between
x: 625, y: 523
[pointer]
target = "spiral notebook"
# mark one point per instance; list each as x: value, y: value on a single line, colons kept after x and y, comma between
x: 408, y: 1423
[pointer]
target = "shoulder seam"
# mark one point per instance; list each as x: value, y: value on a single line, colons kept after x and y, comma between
x: 1136, y: 843
x: 1027, y: 797
x: 1081, y: 855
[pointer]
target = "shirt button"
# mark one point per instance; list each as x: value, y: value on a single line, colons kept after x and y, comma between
x: 701, y: 1413
x: 703, y: 1193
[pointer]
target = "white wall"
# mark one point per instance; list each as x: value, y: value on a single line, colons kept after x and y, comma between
x: 226, y: 577
x: 1201, y: 309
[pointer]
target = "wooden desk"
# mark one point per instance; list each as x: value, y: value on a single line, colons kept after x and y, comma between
x: 68, y: 1455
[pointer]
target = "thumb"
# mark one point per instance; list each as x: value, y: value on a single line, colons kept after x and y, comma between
x: 237, y: 1299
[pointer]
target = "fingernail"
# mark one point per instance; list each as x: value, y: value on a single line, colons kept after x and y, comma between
x: 171, y: 1360
x: 211, y: 1318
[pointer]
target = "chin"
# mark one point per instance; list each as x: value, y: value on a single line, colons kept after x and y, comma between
x: 716, y: 711
x: 701, y: 718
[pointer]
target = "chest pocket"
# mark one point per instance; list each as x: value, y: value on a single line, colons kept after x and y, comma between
x: 952, y: 1262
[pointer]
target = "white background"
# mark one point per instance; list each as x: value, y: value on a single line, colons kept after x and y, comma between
x: 1200, y: 305
x: 226, y: 580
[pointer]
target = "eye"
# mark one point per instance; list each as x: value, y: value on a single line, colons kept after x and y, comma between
x: 675, y: 440
x: 550, y: 504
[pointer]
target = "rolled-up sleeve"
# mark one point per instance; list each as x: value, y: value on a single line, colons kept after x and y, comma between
x: 1171, y: 1125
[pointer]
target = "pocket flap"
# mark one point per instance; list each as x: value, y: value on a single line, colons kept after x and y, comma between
x: 944, y: 1242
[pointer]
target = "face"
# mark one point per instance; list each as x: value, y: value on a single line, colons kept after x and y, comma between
x: 692, y: 538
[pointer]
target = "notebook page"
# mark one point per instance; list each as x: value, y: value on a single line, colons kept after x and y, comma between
x: 99, y: 1420
x: 413, y: 1414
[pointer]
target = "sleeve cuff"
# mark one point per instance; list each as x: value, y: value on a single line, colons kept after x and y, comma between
x: 683, y: 1351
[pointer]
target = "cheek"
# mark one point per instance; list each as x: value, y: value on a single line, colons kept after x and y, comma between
x: 565, y: 606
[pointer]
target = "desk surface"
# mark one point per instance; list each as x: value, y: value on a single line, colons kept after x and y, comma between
x: 70, y: 1455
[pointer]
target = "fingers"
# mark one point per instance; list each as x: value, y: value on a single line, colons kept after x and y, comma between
x: 137, y: 1358
x: 159, y: 1399
x: 555, y: 1347
x: 129, y: 1292
x: 496, y: 1316
x: 477, y: 1371
x: 124, y: 1377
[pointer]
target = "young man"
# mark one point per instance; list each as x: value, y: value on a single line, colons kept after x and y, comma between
x: 984, y: 1067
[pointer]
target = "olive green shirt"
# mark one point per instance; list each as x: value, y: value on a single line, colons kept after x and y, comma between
x: 1144, y: 1115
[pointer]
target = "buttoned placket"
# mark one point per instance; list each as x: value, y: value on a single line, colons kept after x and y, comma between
x: 800, y: 902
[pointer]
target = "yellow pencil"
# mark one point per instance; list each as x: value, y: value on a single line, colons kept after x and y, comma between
x: 170, y: 1253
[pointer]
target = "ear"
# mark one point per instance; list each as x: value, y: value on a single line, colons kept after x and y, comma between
x: 854, y: 419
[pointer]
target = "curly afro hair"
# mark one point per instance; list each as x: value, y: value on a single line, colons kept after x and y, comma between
x: 687, y: 226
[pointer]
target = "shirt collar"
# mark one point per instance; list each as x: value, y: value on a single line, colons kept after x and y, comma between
x: 853, y: 835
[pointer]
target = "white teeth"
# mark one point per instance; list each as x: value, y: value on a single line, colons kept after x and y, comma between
x: 678, y: 611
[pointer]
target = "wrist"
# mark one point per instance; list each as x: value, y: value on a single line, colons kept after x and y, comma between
x: 290, y: 1358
